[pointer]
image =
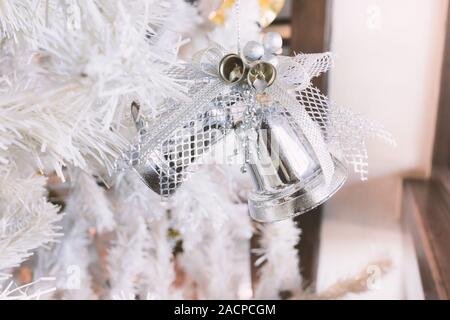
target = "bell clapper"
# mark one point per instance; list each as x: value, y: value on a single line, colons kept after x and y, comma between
x: 236, y: 73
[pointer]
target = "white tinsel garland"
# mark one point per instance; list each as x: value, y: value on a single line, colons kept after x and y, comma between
x: 93, y: 205
x: 277, y: 243
x: 17, y: 18
x: 68, y: 261
x: 216, y: 234
x: 27, y: 219
x: 139, y: 261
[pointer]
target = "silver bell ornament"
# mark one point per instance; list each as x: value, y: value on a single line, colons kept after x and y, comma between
x: 288, y: 130
x: 287, y: 177
x: 165, y: 169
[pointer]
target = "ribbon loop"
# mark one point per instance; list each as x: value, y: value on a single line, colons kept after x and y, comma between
x: 208, y: 60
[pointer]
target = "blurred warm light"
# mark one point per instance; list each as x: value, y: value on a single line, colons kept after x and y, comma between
x: 269, y: 10
x: 25, y: 275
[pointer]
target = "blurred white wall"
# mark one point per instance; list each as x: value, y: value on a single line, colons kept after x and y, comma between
x: 388, y: 66
x: 388, y: 61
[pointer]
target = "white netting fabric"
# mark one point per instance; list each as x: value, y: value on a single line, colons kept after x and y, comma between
x: 180, y: 154
x: 345, y: 131
x: 298, y: 71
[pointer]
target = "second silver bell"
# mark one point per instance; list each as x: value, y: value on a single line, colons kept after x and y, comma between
x: 286, y: 174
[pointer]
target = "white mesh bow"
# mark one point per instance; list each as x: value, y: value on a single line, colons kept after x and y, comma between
x: 344, y: 131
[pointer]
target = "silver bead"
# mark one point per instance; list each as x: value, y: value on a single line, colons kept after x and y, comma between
x: 253, y: 51
x: 272, y: 42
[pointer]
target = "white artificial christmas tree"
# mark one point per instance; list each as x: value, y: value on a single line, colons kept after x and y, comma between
x: 69, y: 72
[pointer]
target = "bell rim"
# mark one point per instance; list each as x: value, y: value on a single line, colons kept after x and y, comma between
x: 268, y: 210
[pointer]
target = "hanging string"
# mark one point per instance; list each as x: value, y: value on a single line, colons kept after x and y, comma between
x: 237, y: 13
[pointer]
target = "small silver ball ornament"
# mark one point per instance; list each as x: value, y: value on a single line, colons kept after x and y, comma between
x: 272, y: 42
x: 253, y: 51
